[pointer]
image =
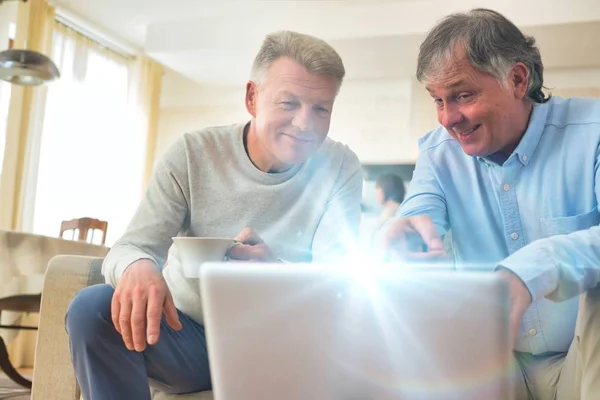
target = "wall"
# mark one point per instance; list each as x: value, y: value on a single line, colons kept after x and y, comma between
x: 584, y: 82
x: 575, y: 78
x: 176, y: 121
x: 187, y: 106
x: 423, y: 117
x: 372, y: 117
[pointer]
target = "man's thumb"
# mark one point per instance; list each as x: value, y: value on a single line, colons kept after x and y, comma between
x: 244, y: 235
x: 170, y: 312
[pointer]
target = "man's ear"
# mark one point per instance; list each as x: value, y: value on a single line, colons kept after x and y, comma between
x: 251, y: 98
x: 519, y: 80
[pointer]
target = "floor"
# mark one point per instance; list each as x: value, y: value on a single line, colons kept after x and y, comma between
x: 11, y: 391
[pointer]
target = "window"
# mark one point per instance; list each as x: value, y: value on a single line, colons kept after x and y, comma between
x: 91, y: 161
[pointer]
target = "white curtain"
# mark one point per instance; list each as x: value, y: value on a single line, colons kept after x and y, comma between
x: 4, y: 104
x: 92, y: 151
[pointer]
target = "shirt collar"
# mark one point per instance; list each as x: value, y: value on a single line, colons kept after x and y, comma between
x: 532, y: 136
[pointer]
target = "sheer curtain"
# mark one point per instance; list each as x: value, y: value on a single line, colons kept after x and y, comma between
x: 92, y: 152
x: 34, y: 30
x: 4, y: 104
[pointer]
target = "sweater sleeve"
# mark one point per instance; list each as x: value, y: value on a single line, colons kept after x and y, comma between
x: 160, y: 216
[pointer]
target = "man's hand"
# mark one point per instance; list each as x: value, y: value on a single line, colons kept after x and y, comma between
x: 140, y: 299
x: 251, y: 248
x: 520, y: 300
x: 413, y: 239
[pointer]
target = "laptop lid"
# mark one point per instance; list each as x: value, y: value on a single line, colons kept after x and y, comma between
x: 309, y: 331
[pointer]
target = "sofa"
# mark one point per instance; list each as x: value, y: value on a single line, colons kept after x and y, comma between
x: 24, y: 258
x: 53, y: 375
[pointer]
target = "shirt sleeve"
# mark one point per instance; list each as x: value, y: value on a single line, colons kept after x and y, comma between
x: 159, y: 217
x: 425, y: 196
x: 563, y: 266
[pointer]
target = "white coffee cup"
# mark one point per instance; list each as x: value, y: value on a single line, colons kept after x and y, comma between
x: 195, y: 251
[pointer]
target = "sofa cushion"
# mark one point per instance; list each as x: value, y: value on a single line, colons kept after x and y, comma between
x: 193, y: 396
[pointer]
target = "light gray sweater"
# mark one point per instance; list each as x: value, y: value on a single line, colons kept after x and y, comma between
x: 206, y: 185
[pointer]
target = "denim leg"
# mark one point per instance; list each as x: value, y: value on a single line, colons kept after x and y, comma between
x: 106, y: 369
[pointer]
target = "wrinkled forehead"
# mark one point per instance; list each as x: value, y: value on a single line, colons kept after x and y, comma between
x: 448, y: 69
x: 299, y: 87
x: 287, y: 75
x: 451, y: 75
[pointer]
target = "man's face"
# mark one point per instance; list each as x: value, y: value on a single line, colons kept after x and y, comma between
x: 292, y: 111
x: 481, y: 114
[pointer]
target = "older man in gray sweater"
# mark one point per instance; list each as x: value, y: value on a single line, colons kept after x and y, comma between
x: 277, y: 183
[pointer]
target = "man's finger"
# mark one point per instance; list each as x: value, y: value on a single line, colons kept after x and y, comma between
x: 170, y: 311
x: 240, y: 252
x: 125, y: 322
x: 154, y: 315
x: 115, y: 307
x: 248, y: 236
x: 250, y: 253
x: 428, y: 231
x: 417, y: 257
x: 244, y: 235
x: 138, y: 321
x: 424, y: 256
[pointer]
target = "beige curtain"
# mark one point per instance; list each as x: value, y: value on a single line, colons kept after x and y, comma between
x: 146, y: 84
x: 35, y: 22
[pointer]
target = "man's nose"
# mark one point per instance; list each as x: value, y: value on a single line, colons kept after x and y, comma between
x: 303, y: 120
x: 449, y: 116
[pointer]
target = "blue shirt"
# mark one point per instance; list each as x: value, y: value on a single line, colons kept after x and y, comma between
x: 537, y: 214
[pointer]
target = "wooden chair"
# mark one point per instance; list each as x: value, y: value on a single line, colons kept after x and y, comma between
x: 83, y: 225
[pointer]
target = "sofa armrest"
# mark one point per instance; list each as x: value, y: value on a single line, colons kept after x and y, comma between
x: 53, y: 374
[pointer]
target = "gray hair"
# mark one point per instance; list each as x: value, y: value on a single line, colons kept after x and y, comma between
x: 492, y: 44
x: 312, y: 53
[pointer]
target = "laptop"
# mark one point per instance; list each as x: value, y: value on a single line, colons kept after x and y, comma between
x: 312, y: 332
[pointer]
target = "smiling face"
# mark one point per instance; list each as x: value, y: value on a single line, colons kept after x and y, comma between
x: 291, y: 110
x: 484, y: 116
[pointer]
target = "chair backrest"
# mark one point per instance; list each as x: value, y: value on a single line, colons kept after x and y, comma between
x: 83, y: 226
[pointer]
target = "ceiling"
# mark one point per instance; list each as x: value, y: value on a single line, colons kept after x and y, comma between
x: 214, y: 41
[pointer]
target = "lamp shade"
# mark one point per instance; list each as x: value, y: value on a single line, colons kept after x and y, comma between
x: 27, y: 67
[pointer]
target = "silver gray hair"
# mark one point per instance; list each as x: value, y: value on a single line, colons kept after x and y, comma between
x: 492, y: 44
x: 314, y: 54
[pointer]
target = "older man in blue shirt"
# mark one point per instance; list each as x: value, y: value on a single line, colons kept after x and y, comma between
x: 515, y: 176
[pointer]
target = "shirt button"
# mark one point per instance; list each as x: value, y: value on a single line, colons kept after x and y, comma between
x: 524, y: 158
x: 514, y: 236
x: 532, y: 332
x: 506, y: 187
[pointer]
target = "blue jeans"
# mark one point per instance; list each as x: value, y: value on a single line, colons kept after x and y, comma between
x: 106, y: 370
